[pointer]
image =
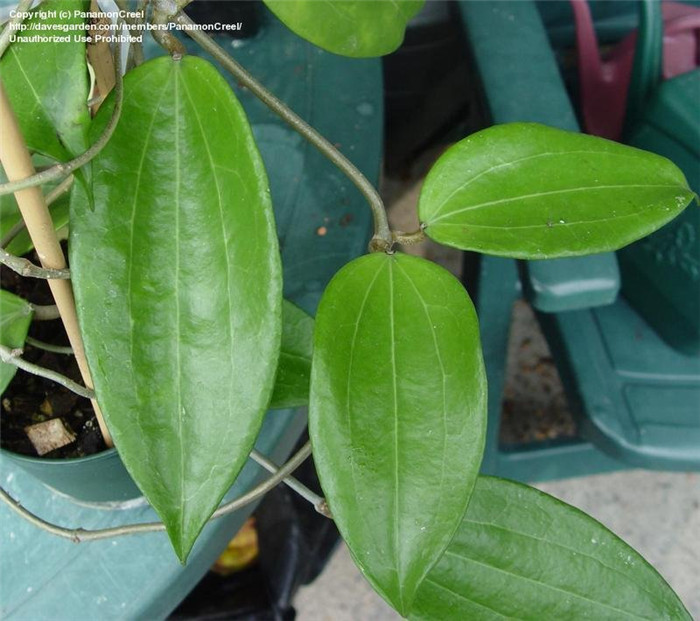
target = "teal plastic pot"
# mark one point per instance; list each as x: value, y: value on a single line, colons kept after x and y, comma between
x: 97, y: 478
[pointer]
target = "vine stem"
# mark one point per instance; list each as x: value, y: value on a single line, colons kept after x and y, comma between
x: 317, y: 501
x: 12, y: 356
x: 78, y: 535
x: 382, y: 240
x: 65, y: 169
x: 17, y: 163
x: 56, y: 349
x: 24, y: 267
x: 409, y: 239
x: 45, y: 312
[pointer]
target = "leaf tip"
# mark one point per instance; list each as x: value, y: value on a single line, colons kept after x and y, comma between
x: 182, y: 545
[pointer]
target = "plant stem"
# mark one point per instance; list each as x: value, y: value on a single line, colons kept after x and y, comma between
x: 64, y: 169
x: 382, y: 239
x: 164, y: 38
x: 136, y: 56
x: 56, y: 349
x: 409, y: 239
x: 22, y: 7
x: 24, y: 267
x: 78, y: 535
x: 17, y: 163
x: 317, y: 501
x: 12, y: 356
x: 45, y: 313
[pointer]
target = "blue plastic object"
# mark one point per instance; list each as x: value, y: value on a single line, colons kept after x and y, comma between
x: 637, y: 399
x: 521, y: 82
x: 662, y: 273
x: 323, y: 222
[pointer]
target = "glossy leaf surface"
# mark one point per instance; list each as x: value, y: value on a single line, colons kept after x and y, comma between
x: 348, y: 27
x: 523, y: 554
x: 47, y: 83
x: 178, y: 288
x: 529, y: 191
x: 397, y: 414
x: 294, y: 368
x: 15, y: 318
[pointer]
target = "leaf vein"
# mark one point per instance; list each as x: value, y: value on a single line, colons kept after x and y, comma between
x: 502, y: 201
x: 518, y: 161
x: 546, y: 586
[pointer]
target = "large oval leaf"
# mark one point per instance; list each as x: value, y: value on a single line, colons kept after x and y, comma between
x: 348, y: 27
x: 520, y: 553
x: 529, y: 191
x: 294, y: 368
x: 178, y: 287
x: 47, y: 81
x: 397, y: 414
x: 15, y: 318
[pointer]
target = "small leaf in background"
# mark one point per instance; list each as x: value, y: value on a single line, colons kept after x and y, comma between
x: 10, y: 215
x: 523, y: 554
x: 397, y: 414
x: 177, y: 279
x: 47, y: 83
x: 22, y: 243
x: 15, y: 318
x: 529, y: 191
x: 294, y: 367
x: 348, y: 27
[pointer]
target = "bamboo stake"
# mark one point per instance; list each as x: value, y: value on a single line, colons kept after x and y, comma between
x: 17, y: 163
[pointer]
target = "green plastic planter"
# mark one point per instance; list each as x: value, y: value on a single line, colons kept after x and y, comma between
x: 97, y: 478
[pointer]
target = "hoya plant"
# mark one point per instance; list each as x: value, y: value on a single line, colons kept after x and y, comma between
x: 175, y: 268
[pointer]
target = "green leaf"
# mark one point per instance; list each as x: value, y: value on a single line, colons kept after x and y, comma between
x: 348, y: 27
x: 397, y: 414
x: 47, y: 83
x: 294, y: 368
x: 178, y: 287
x: 532, y: 192
x: 22, y: 243
x: 10, y: 215
x: 15, y: 318
x: 520, y: 553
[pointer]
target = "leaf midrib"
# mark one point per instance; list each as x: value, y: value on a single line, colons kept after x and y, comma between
x: 397, y: 495
x: 566, y: 224
x: 520, y: 160
x: 178, y: 363
x: 502, y: 201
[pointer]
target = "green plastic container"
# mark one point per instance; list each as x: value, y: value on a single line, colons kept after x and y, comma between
x: 661, y: 274
x: 97, y: 478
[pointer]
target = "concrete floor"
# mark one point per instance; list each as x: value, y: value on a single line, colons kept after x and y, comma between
x: 657, y: 513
